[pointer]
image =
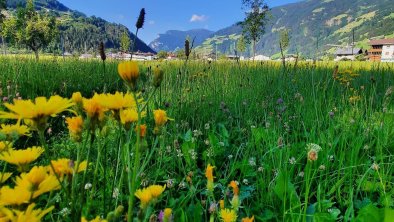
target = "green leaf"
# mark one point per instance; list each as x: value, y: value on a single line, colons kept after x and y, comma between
x: 285, y: 189
x: 369, y: 213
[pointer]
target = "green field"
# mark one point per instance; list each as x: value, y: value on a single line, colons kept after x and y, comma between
x: 300, y: 144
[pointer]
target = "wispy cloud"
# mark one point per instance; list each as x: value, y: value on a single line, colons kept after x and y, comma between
x: 151, y: 22
x: 198, y: 18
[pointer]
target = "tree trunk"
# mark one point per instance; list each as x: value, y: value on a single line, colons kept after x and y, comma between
x: 283, y: 56
x: 254, y: 49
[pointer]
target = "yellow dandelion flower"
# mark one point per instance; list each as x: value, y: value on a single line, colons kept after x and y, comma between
x: 29, y: 215
x: 38, y: 111
x: 75, y: 126
x: 247, y: 219
x: 221, y: 203
x: 4, y: 177
x: 37, y: 181
x: 160, y: 117
x: 129, y: 72
x: 228, y: 215
x: 209, y: 172
x: 209, y: 175
x: 156, y: 190
x: 22, y: 158
x: 5, y: 146
x: 93, y: 108
x: 167, y: 214
x: 234, y: 185
x: 77, y: 98
x: 12, y: 131
x: 67, y: 167
x: 145, y: 196
x: 97, y: 219
x: 142, y: 130
x: 17, y: 196
x: 117, y: 101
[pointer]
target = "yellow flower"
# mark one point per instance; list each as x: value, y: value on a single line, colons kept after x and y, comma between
x: 37, y: 182
x: 97, y: 219
x: 128, y: 116
x: 247, y: 219
x: 94, y: 108
x: 22, y: 158
x: 117, y: 101
x: 156, y: 190
x: 29, y: 215
x: 228, y: 215
x: 77, y: 98
x: 160, y: 117
x: 12, y: 131
x: 167, y: 214
x: 234, y: 185
x: 209, y: 172
x: 142, y: 130
x: 17, y: 196
x: 145, y: 196
x: 129, y: 72
x: 221, y: 203
x: 4, y: 177
x: 209, y: 175
x: 4, y: 146
x: 38, y: 111
x: 75, y: 126
x: 67, y: 167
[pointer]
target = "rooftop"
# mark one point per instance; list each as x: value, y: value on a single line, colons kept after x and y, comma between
x: 348, y: 51
x: 382, y: 42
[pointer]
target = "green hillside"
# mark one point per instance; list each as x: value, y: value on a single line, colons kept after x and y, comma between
x: 79, y: 33
x: 330, y: 21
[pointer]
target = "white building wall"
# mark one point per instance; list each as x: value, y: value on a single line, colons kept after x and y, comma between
x: 388, y: 53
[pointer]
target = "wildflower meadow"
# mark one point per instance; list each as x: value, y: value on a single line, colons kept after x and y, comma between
x: 196, y: 141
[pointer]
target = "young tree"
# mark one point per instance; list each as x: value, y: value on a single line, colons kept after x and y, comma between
x: 162, y: 54
x: 125, y: 42
x: 241, y: 45
x: 284, y: 42
x: 254, y: 24
x: 30, y: 29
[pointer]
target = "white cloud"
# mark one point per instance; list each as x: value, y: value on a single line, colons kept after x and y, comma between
x: 198, y: 18
x: 151, y: 22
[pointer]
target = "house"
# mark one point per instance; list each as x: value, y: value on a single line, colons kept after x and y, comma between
x: 86, y: 56
x: 381, y: 50
x: 347, y: 53
x: 141, y: 56
x: 260, y: 58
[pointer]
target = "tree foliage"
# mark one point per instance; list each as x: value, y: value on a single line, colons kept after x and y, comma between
x: 284, y: 43
x: 30, y: 29
x: 162, y: 54
x: 125, y: 42
x: 3, y: 6
x: 255, y: 21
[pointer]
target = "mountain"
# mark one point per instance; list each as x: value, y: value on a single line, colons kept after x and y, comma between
x: 78, y: 32
x: 330, y: 21
x: 173, y: 39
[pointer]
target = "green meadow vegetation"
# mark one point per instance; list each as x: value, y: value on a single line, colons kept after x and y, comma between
x: 238, y: 141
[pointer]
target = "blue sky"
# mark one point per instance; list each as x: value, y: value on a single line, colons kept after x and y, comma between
x: 163, y: 15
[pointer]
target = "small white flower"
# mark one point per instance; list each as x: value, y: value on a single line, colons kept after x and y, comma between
x: 65, y: 212
x: 301, y: 174
x: 115, y: 193
x: 207, y: 142
x: 252, y: 161
x: 322, y: 167
x: 207, y: 126
x: 88, y: 186
x: 245, y: 181
x: 375, y: 166
x: 292, y: 161
x: 182, y: 185
x: 260, y: 169
x: 230, y: 156
x: 221, y: 144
